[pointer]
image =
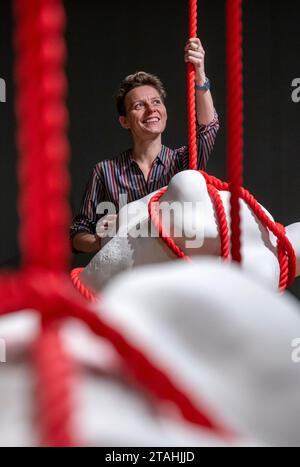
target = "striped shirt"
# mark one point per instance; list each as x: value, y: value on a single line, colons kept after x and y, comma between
x: 122, y: 175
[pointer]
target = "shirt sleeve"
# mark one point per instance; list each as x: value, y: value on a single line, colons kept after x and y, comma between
x: 86, y: 219
x: 206, y: 136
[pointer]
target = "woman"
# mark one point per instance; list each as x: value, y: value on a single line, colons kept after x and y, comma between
x: 148, y: 165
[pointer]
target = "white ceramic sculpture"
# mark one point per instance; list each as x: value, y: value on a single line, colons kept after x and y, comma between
x: 187, y: 189
x: 224, y: 339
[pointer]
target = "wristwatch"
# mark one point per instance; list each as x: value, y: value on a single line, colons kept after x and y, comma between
x: 203, y: 87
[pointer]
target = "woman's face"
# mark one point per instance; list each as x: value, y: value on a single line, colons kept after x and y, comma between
x: 146, y: 114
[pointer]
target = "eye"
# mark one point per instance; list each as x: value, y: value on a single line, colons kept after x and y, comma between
x: 138, y: 106
x: 157, y: 101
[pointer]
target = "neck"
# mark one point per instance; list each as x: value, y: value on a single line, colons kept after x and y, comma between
x: 145, y: 152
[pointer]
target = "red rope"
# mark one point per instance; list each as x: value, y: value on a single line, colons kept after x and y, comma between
x: 192, y: 135
x: 44, y: 182
x: 55, y: 401
x: 42, y: 119
x: 286, y: 253
x: 85, y: 291
x: 283, y: 260
x: 222, y: 221
x: 235, y: 118
x: 153, y: 208
x: 58, y: 300
x: 279, y: 232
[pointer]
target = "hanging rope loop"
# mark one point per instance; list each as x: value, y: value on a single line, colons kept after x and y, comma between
x: 286, y: 253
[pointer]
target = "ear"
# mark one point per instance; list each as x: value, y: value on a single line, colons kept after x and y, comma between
x: 123, y: 122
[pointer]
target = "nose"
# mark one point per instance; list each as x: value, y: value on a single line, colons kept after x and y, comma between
x: 150, y: 107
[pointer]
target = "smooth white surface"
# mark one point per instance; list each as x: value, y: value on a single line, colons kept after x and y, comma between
x: 221, y: 337
x: 125, y: 251
x: 224, y: 338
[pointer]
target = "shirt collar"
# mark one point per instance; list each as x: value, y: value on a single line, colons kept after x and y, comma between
x: 162, y: 156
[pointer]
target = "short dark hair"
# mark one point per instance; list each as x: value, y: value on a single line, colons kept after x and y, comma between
x: 139, y: 78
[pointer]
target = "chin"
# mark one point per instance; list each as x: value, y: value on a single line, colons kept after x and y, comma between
x: 156, y: 131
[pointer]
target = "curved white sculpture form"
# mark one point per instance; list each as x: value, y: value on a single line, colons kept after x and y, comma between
x: 225, y: 340
x: 188, y: 192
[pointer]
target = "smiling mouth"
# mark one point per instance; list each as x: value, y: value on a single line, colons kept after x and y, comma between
x: 151, y: 120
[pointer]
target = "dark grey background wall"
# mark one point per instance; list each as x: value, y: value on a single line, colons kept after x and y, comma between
x: 108, y: 40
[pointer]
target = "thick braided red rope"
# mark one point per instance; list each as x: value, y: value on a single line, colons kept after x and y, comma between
x: 43, y: 176
x: 30, y: 235
x: 286, y: 256
x: 283, y: 261
x: 234, y: 118
x: 276, y: 230
x: 42, y: 117
x: 222, y: 221
x: 153, y: 208
x: 52, y: 363
x: 57, y: 301
x: 192, y: 136
x: 85, y: 291
x: 286, y: 260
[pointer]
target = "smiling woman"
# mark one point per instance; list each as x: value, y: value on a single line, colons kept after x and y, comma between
x: 148, y: 165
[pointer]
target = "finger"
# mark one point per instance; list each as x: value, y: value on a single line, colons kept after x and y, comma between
x: 196, y: 40
x: 197, y: 51
x: 193, y: 42
x: 199, y: 42
x: 191, y: 46
x: 193, y: 59
x: 194, y: 49
x: 193, y: 53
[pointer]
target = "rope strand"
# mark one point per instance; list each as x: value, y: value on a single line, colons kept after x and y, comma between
x: 192, y: 130
x: 235, y: 119
x: 42, y: 143
x: 286, y: 253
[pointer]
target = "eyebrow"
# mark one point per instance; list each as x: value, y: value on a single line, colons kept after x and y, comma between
x: 143, y: 100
